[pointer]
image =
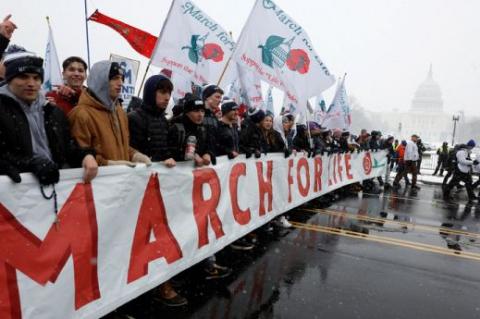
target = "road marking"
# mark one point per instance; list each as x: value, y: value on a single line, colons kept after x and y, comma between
x: 384, y: 220
x: 389, y: 241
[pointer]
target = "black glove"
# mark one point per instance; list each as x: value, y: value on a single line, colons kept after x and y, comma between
x: 45, y: 170
x: 475, y: 162
x: 286, y: 153
x: 213, y: 159
x: 230, y: 155
x: 311, y: 154
x: 248, y: 153
x: 257, y: 154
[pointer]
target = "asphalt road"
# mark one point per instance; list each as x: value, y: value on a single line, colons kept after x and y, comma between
x: 389, y: 255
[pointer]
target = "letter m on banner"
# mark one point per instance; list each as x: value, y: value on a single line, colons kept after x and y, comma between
x: 42, y: 261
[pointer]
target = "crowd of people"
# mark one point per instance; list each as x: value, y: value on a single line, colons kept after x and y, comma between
x: 78, y: 125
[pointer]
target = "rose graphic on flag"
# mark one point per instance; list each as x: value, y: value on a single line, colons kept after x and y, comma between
x: 199, y: 50
x: 276, y: 52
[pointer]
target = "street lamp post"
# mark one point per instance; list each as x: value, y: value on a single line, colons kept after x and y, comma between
x: 455, y: 119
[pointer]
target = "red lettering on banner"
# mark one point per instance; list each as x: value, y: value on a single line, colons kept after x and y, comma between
x: 318, y: 167
x: 206, y: 210
x: 333, y: 158
x: 42, y: 261
x: 290, y: 180
x: 348, y: 166
x: 241, y: 216
x: 303, y: 189
x: 339, y: 167
x: 152, y: 217
x: 265, y: 187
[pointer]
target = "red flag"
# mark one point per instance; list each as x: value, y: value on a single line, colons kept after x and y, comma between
x: 143, y: 42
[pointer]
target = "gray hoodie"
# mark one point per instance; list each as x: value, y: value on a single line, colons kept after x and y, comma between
x: 98, y: 83
x: 36, y: 122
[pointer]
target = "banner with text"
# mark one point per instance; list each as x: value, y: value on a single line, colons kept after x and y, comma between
x: 193, y: 44
x: 134, y: 228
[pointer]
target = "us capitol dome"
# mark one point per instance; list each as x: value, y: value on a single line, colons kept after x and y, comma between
x: 428, y: 97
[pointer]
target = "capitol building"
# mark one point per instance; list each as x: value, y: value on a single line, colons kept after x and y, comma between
x: 425, y: 118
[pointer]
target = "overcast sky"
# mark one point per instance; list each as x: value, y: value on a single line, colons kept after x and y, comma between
x: 385, y: 46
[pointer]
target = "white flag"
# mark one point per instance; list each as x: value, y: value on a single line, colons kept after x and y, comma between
x: 51, y: 65
x: 192, y: 44
x: 251, y: 87
x: 338, y: 115
x: 320, y: 109
x: 269, y: 101
x: 280, y: 52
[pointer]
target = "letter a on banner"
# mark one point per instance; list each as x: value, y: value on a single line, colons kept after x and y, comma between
x: 192, y: 44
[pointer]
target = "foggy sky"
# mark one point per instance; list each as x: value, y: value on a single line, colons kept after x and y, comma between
x: 385, y: 46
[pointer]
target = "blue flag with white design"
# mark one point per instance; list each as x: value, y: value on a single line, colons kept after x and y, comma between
x: 51, y: 65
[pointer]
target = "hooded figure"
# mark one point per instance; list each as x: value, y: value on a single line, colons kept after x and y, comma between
x: 148, y: 125
x: 99, y: 120
x: 287, y: 137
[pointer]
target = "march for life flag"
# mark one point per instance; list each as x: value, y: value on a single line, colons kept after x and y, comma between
x: 319, y: 110
x: 51, y: 65
x: 280, y: 52
x: 250, y: 87
x: 269, y: 101
x: 338, y: 115
x: 193, y: 44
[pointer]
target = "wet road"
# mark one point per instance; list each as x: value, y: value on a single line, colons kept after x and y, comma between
x: 393, y: 255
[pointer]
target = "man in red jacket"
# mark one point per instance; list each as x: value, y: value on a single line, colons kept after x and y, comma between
x: 74, y: 74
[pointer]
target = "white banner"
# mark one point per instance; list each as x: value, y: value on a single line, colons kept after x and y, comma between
x: 193, y: 44
x: 51, y: 65
x: 130, y: 67
x: 339, y: 115
x: 278, y: 50
x: 134, y: 228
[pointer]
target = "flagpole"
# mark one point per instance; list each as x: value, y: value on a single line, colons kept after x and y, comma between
x: 226, y: 64
x: 155, y: 48
x: 86, y: 32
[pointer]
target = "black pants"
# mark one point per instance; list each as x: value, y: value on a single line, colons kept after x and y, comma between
x: 461, y: 177
x: 440, y: 167
x: 450, y: 171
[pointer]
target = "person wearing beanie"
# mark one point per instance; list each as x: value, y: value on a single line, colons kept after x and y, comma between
x: 10, y: 50
x: 228, y: 140
x: 212, y: 97
x: 99, y: 121
x: 34, y: 134
x: 74, y: 74
x: 463, y: 171
x: 410, y: 159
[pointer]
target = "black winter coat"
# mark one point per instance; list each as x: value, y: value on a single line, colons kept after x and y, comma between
x: 252, y: 140
x: 3, y: 44
x: 148, y: 128
x: 227, y: 139
x: 16, y: 149
x: 177, y: 138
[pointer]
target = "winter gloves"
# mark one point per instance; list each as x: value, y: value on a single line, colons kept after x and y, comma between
x: 45, y: 170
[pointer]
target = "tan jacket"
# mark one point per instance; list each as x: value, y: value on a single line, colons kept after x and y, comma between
x: 92, y: 125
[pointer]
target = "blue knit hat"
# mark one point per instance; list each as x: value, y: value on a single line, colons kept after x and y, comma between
x: 471, y: 144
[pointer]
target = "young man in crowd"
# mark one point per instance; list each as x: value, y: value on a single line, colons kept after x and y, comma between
x: 227, y: 133
x: 99, y: 121
x: 74, y: 74
x: 149, y: 134
x: 189, y: 140
x: 34, y: 135
x: 410, y: 159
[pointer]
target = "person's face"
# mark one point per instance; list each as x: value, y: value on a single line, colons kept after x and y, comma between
x: 162, y: 98
x: 26, y: 86
x: 74, y: 75
x: 414, y: 139
x: 115, y: 86
x: 267, y: 123
x: 287, y: 125
x: 196, y: 116
x: 213, y: 101
x: 232, y: 116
